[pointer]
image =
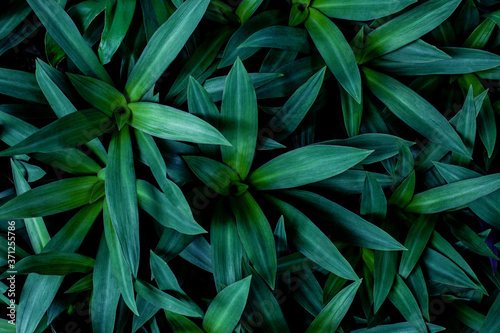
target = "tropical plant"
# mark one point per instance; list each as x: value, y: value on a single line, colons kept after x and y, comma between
x: 250, y: 166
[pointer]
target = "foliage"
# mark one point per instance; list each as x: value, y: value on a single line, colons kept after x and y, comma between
x: 251, y: 166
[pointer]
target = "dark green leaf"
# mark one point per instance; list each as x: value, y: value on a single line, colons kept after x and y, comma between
x: 163, y: 48
x: 336, y: 52
x: 360, y: 10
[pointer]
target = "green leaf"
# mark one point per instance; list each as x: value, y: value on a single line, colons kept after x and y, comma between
x: 360, y: 10
x: 163, y: 300
x: 12, y: 16
x: 227, y: 250
x: 373, y: 201
x: 470, y: 239
x: 39, y: 290
x: 453, y: 195
x: 480, y: 36
x: 417, y: 52
x: 384, y: 270
x: 99, y: 94
x: 118, y: 256
x: 416, y: 242
x: 443, y: 270
x: 254, y: 24
x: 492, y: 322
x: 22, y: 85
x: 116, y: 28
x: 256, y: 236
x: 312, y: 242
x: 486, y: 207
x: 403, y: 300
x: 336, y: 52
x: 305, y: 165
x: 201, y: 105
x: 262, y: 301
x: 352, y: 111
x: 105, y: 293
x: 163, y: 48
x: 280, y: 37
x: 384, y: 146
x: 37, y: 232
x: 121, y: 196
x: 407, y: 27
x: 168, y: 123
x: 161, y: 209
x: 66, y: 34
x: 404, y: 193
x: 219, y: 177
x: 486, y: 125
x: 417, y: 284
x: 83, y: 284
x: 49, y: 199
x: 309, y: 293
x: 180, y: 324
x: 415, y: 111
x: 246, y: 8
x: 200, y: 61
x: 225, y: 310
x: 239, y: 120
x: 398, y: 328
x: 53, y: 263
x: 288, y: 118
x: 215, y: 86
x: 462, y: 61
x: 347, y: 225
x: 69, y: 131
x: 330, y: 317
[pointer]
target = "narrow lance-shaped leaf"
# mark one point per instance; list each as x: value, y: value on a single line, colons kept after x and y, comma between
x: 336, y: 52
x: 417, y: 52
x: 492, y: 322
x: 69, y: 131
x: 246, y: 8
x: 22, y: 85
x: 53, y: 263
x: 105, y: 294
x: 373, y: 201
x: 330, y: 317
x: 158, y: 206
x: 485, y: 207
x: 239, y: 120
x: 280, y: 37
x: 461, y: 61
x: 163, y: 47
x: 162, y: 299
x: 66, y: 34
x: 49, y: 199
x: 403, y: 300
x: 225, y: 310
x: 346, y: 224
x: 407, y: 27
x: 312, y: 242
x: 39, y: 290
x: 121, y: 195
x: 256, y: 236
x: 360, y: 10
x: 99, y: 94
x: 218, y: 176
x: 453, y: 195
x: 227, y: 250
x: 168, y: 123
x: 415, y: 111
x: 306, y: 165
x: 201, y: 105
x: 121, y: 268
x: 288, y: 118
x: 37, y: 231
x: 384, y: 270
x: 116, y: 28
x: 416, y: 241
